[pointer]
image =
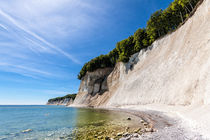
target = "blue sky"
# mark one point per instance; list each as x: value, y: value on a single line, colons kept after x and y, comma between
x: 44, y: 43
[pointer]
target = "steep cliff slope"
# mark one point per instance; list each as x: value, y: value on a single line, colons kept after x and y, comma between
x: 65, y: 100
x: 175, y: 70
x: 93, y: 86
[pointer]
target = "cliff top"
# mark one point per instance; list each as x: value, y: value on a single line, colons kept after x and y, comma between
x: 72, y: 96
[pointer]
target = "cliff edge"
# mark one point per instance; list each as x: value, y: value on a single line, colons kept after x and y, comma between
x: 172, y: 75
x: 65, y: 100
x: 175, y: 70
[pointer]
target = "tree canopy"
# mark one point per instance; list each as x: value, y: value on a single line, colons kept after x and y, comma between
x: 70, y: 96
x: 160, y: 23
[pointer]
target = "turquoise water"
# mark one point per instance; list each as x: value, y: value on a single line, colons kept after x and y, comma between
x: 44, y: 121
x: 49, y: 122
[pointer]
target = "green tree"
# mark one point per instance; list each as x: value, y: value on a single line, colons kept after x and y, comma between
x: 155, y: 26
x: 140, y: 40
x: 160, y: 23
x: 125, y: 49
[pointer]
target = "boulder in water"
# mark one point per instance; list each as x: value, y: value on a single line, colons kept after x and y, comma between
x: 27, y: 130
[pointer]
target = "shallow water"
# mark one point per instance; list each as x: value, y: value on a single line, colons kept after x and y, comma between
x: 58, y: 122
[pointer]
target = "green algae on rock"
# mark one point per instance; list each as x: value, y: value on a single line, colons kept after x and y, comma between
x: 107, y: 125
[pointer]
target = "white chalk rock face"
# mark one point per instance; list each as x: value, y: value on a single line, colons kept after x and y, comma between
x: 65, y: 102
x: 174, y: 71
x: 92, y: 85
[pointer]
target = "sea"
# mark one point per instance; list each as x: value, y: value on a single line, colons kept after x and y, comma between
x: 43, y: 122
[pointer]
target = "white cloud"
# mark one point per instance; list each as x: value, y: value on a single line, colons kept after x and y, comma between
x: 61, y: 18
x: 38, y: 37
x: 2, y: 26
x: 23, y: 70
x: 35, y: 31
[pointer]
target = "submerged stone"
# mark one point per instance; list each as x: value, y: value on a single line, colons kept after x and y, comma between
x: 27, y: 130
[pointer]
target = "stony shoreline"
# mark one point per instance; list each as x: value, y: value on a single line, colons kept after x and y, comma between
x: 116, y: 131
x: 158, y: 125
x: 166, y: 123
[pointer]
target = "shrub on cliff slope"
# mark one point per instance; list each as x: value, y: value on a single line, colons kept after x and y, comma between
x: 164, y: 21
x: 159, y: 24
x: 101, y: 61
x: 125, y: 49
x: 71, y: 96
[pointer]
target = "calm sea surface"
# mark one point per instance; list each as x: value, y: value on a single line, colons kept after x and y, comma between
x: 48, y: 122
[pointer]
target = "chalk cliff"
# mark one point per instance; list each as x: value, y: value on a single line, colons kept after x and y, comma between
x: 65, y: 102
x: 174, y: 70
x: 93, y: 86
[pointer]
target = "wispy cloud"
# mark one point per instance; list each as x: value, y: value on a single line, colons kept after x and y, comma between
x: 35, y: 32
x: 38, y: 40
x: 13, y: 21
x: 23, y: 49
x: 23, y: 70
x: 2, y: 26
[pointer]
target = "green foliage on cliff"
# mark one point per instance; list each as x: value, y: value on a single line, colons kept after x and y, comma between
x: 164, y: 21
x: 101, y: 61
x: 160, y: 23
x: 72, y: 96
x: 125, y: 48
